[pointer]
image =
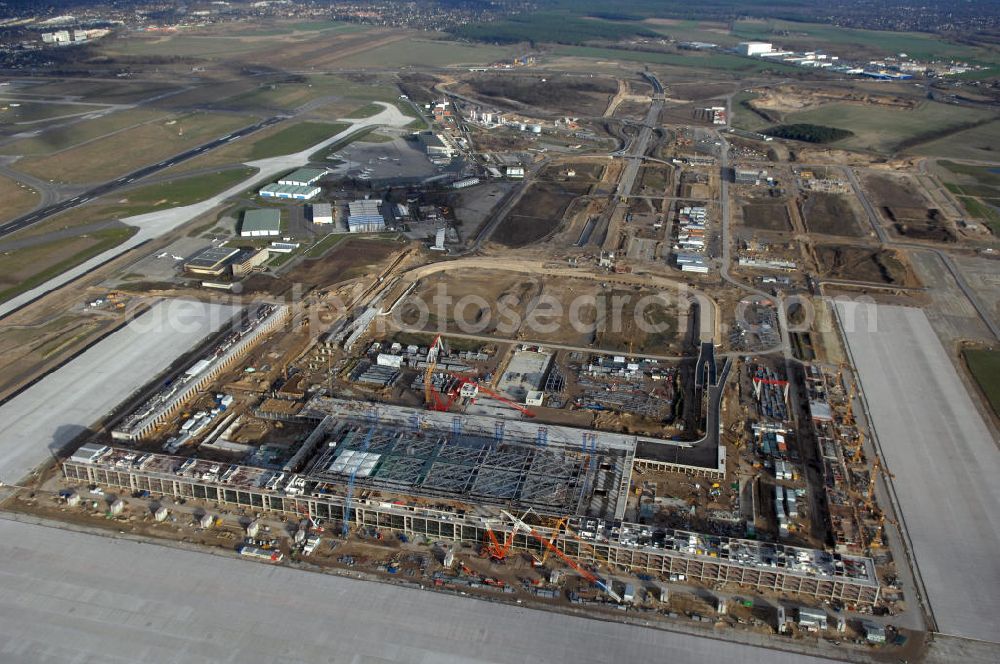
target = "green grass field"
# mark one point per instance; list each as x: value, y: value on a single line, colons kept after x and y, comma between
x: 63, y: 138
x: 102, y: 91
x: 980, y: 143
x: 981, y: 175
x: 743, y: 117
x: 698, y: 60
x: 376, y: 137
x: 366, y: 111
x: 982, y: 211
x: 185, y: 45
x: 363, y: 135
x: 122, y: 152
x: 428, y: 53
x: 713, y: 33
x: 985, y: 368
x: 14, y: 111
x: 180, y: 192
x: 883, y: 129
x: 17, y: 198
x: 287, y: 95
x: 287, y: 28
x: 326, y: 244
x: 34, y: 265
x: 977, y: 188
x: 295, y: 138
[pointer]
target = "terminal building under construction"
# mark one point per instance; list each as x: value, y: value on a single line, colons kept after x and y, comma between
x: 448, y: 476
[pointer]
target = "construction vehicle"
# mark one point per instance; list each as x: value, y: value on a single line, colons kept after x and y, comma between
x: 600, y: 583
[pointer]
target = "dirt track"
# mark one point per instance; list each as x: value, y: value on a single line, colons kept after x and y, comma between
x: 709, y: 314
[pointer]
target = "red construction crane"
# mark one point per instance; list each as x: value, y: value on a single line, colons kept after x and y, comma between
x: 496, y: 551
x: 502, y: 399
x: 606, y: 587
x: 443, y: 402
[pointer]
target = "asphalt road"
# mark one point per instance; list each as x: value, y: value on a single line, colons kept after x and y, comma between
x: 42, y: 213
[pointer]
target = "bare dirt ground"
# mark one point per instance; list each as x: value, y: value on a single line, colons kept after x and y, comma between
x: 767, y: 216
x: 538, y: 213
x: 791, y: 99
x: 850, y: 263
x: 831, y: 214
x: 348, y: 260
x: 909, y: 213
x: 576, y: 312
x: 558, y: 94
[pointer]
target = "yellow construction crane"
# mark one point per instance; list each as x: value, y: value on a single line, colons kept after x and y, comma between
x: 430, y: 398
x: 873, y: 477
x: 555, y: 535
x: 859, y: 453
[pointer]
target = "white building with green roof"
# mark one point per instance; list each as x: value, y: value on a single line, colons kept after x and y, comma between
x: 260, y: 223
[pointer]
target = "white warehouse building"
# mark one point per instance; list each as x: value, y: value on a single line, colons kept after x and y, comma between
x: 322, y: 213
x: 365, y: 216
x: 290, y: 191
x: 754, y: 48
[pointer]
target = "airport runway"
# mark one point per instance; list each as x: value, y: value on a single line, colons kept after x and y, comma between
x: 49, y: 210
x: 945, y: 462
x: 60, y: 406
x: 67, y: 596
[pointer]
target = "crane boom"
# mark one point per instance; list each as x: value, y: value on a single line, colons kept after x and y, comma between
x: 521, y: 525
x: 494, y: 549
x: 349, y: 496
x: 430, y: 397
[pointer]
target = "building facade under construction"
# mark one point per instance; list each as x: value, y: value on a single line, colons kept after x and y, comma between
x: 449, y: 477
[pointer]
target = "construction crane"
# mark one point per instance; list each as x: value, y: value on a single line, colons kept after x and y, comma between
x: 872, y: 478
x: 555, y: 535
x: 496, y: 551
x: 603, y: 585
x: 373, y: 419
x: 431, y: 396
x: 859, y: 453
x: 493, y: 395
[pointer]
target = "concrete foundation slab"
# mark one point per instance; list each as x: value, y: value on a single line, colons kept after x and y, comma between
x: 60, y: 406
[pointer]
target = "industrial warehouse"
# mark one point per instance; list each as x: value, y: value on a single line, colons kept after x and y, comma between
x: 260, y: 223
x: 298, y: 185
